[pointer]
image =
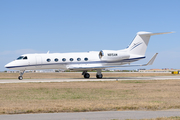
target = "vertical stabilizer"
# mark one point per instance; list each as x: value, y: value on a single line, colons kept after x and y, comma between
x: 140, y: 43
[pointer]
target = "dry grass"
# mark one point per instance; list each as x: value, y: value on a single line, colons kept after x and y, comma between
x: 162, y: 118
x: 165, y: 118
x: 89, y: 96
x: 78, y: 75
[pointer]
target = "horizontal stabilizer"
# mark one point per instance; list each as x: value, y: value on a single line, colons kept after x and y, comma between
x: 149, y: 33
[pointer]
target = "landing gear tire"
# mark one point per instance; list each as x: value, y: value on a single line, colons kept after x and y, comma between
x: 86, y: 75
x: 21, y: 74
x: 20, y: 77
x: 99, y: 76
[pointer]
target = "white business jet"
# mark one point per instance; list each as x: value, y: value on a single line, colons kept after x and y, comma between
x: 84, y: 61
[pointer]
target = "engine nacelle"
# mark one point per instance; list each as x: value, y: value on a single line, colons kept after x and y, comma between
x: 111, y: 55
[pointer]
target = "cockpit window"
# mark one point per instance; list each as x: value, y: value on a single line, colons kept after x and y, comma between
x: 19, y: 58
x: 22, y: 57
x: 25, y: 58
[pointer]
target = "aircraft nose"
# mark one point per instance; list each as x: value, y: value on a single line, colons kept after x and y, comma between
x: 12, y: 65
x: 7, y: 65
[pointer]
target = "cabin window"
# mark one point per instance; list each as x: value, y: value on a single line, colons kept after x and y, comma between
x: 25, y: 58
x: 64, y: 59
x: 71, y: 59
x: 56, y: 60
x: 78, y: 59
x: 86, y: 59
x: 48, y: 60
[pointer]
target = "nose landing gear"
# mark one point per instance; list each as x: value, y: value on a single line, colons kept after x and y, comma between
x: 21, y: 74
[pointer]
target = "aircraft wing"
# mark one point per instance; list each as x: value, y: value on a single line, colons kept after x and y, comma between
x: 85, y: 67
x: 95, y: 67
x: 149, y: 63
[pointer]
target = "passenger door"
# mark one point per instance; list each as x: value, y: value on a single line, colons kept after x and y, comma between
x: 38, y: 61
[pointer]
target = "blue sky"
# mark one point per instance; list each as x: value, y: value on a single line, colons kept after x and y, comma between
x: 38, y: 26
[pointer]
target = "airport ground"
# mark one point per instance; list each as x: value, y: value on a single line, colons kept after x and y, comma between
x: 78, y: 75
x: 88, y: 96
x: 104, y: 115
x: 121, y: 95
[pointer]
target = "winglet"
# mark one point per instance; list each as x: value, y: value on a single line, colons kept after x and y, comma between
x: 152, y: 60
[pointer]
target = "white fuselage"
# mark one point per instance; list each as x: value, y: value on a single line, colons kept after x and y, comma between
x: 72, y: 61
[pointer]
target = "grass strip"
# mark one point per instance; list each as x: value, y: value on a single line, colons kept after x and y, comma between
x: 89, y: 96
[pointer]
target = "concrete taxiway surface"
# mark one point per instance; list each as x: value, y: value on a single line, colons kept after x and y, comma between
x: 107, y: 115
x: 90, y: 79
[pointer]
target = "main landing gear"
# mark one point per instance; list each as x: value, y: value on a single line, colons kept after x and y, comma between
x: 21, y: 74
x: 98, y: 75
x: 86, y: 75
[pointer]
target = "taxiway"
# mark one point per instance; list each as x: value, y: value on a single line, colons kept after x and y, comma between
x: 105, y: 115
x: 91, y: 79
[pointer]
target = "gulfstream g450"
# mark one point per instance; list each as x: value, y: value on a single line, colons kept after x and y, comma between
x: 84, y: 61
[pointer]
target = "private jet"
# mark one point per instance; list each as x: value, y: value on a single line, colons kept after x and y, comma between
x: 85, y: 61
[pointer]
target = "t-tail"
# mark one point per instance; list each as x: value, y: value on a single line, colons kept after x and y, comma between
x: 139, y: 44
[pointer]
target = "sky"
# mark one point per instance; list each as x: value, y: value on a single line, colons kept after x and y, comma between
x: 59, y: 26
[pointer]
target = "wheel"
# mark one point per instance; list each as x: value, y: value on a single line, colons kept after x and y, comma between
x: 86, y: 75
x: 20, y: 77
x: 99, y: 76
